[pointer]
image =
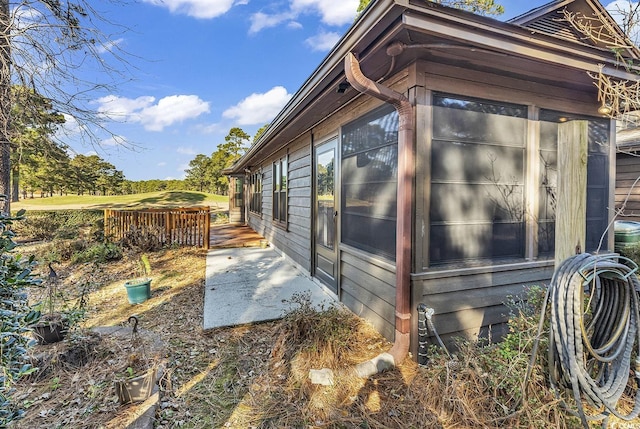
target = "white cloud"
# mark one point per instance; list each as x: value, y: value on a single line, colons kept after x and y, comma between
x: 258, y: 108
x: 331, y: 13
x: 70, y: 127
x: 322, y: 41
x: 197, y: 8
x: 161, y: 164
x: 186, y: 150
x: 260, y: 21
x: 154, y: 117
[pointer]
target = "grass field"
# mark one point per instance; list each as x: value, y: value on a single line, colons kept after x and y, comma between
x: 159, y: 199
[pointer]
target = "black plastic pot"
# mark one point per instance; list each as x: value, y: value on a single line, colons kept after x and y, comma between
x: 49, y: 332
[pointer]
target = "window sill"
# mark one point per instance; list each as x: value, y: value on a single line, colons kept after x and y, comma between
x: 453, y: 270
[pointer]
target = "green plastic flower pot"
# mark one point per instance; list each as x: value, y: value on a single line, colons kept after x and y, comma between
x: 138, y: 291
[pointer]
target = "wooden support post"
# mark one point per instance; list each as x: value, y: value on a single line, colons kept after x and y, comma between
x: 571, y: 208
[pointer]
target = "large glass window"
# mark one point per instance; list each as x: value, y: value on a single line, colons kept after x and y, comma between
x: 369, y: 182
x: 280, y: 190
x: 255, y: 192
x: 597, y: 179
x: 477, y: 180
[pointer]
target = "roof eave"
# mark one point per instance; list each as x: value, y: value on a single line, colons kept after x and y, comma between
x: 369, y: 17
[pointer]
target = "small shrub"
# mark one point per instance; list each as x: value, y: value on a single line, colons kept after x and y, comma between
x: 143, y: 239
x: 328, y: 331
x: 63, y: 224
x: 39, y: 227
x: 60, y: 250
x: 220, y: 218
x: 99, y: 252
x: 632, y: 252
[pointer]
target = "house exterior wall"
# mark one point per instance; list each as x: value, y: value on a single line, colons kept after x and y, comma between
x: 467, y: 300
x: 293, y: 237
x: 367, y: 282
x: 627, y: 171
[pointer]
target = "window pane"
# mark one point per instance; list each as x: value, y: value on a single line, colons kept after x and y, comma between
x: 369, y: 182
x: 477, y: 182
x: 325, y: 197
x: 597, y: 179
x: 283, y: 178
x: 276, y: 205
x: 467, y: 241
x: 276, y: 176
x: 283, y: 207
x: 379, y: 128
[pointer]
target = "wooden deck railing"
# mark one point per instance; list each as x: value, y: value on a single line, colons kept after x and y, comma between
x: 182, y: 226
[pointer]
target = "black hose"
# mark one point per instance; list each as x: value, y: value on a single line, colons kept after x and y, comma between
x: 594, y: 328
x: 425, y: 324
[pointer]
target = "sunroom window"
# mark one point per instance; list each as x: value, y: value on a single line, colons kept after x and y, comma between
x: 477, y: 201
x: 597, y: 179
x: 369, y: 182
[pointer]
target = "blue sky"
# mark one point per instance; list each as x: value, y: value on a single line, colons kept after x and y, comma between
x: 202, y: 67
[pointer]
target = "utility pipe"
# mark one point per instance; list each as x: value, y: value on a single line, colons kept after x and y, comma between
x: 406, y: 173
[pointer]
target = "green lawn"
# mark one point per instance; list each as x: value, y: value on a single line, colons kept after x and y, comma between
x: 137, y: 201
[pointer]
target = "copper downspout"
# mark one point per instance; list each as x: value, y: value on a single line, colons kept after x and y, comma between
x: 406, y: 173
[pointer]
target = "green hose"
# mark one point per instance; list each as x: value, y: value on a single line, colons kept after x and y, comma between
x: 593, y: 331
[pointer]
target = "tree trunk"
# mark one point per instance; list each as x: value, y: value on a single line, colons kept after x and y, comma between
x: 5, y: 106
x: 15, y: 182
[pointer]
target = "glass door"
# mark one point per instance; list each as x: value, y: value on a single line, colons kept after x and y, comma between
x: 325, y: 253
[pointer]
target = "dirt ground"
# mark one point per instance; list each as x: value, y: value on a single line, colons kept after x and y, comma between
x: 256, y: 376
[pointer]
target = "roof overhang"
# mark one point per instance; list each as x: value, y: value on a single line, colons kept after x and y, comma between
x: 442, y: 34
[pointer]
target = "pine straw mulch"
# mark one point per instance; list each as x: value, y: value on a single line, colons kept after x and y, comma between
x: 256, y: 376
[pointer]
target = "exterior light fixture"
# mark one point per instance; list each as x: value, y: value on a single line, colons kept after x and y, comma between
x: 605, y: 109
x: 342, y: 87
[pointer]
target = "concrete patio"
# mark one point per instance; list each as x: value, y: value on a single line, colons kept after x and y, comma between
x: 251, y: 284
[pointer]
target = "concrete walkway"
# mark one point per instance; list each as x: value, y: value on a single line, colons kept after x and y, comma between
x: 251, y: 284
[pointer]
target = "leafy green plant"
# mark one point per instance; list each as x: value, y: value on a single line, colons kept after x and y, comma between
x: 16, y: 316
x: 145, y: 266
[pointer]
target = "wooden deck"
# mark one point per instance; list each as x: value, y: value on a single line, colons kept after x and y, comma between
x: 227, y: 235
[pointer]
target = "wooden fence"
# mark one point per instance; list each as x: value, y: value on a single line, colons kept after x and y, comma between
x: 182, y: 226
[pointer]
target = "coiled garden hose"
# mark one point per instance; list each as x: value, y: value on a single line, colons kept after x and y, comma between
x: 593, y: 332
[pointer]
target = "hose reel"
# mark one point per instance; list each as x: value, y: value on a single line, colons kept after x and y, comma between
x: 594, y: 330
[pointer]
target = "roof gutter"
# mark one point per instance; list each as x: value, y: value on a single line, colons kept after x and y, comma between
x: 406, y: 172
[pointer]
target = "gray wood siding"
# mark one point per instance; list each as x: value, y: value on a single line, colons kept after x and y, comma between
x: 470, y: 302
x: 368, y: 289
x: 627, y: 171
x: 294, y: 238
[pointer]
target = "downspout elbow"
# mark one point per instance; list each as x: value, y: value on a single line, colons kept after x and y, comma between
x: 363, y: 84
